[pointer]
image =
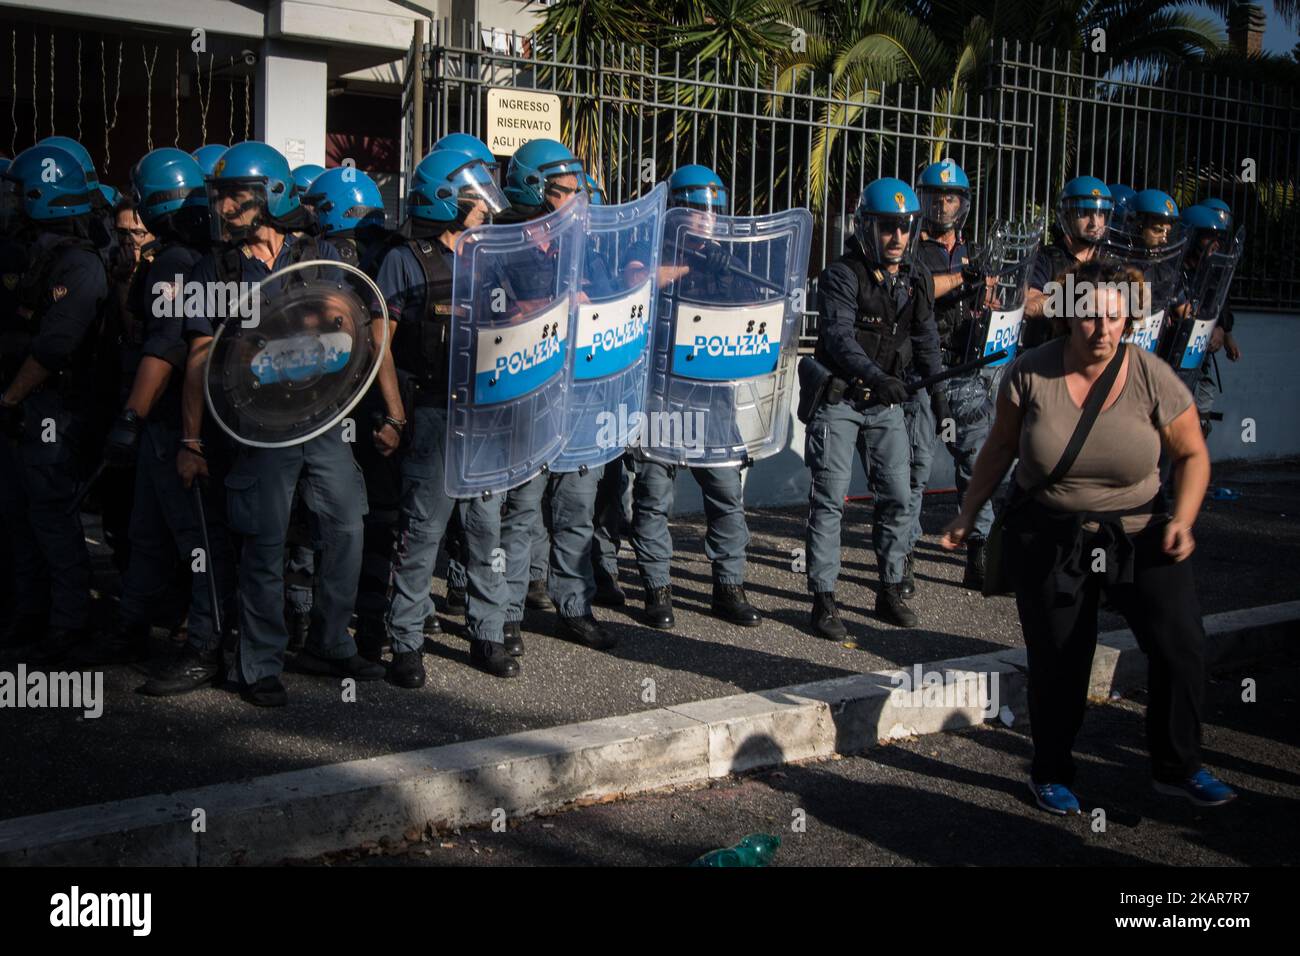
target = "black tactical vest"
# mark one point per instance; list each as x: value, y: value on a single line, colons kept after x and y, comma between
x: 883, y: 331
x: 1035, y: 332
x: 420, y: 346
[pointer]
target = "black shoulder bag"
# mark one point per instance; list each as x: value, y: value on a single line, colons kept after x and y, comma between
x: 997, y: 578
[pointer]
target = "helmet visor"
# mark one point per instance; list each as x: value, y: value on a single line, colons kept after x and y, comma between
x: 238, y: 207
x: 708, y: 198
x: 1084, y: 220
x: 943, y: 210
x: 888, y: 239
x: 474, y: 184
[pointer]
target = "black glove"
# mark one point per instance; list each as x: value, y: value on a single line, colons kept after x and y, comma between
x: 889, y: 391
x: 939, y: 406
x: 716, y: 257
x: 11, y: 421
x: 123, y: 440
x: 971, y: 274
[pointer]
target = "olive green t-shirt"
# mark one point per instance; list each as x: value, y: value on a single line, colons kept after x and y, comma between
x: 1118, y: 467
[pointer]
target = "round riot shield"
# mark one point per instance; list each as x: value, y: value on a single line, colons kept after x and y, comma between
x: 1186, y: 344
x: 1004, y: 261
x: 294, y: 353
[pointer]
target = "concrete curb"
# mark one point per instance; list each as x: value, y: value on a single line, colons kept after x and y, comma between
x: 307, y: 812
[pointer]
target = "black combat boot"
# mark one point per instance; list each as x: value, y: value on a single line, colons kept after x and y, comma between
x: 730, y: 604
x: 188, y: 670
x: 891, y: 606
x: 407, y: 670
x: 826, y: 617
x: 909, y: 578
x: 585, y: 630
x: 514, y: 639
x: 538, y: 599
x: 493, y: 658
x: 608, y: 592
x: 659, y: 608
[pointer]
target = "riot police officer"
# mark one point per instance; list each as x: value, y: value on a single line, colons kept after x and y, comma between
x: 944, y: 193
x: 350, y: 213
x: 1122, y: 196
x: 256, y: 213
x: 1209, y: 226
x: 173, y: 204
x: 303, y: 177
x: 45, y: 403
x: 726, y: 531
x: 874, y: 305
x: 543, y: 176
x: 1083, y: 213
x: 450, y: 192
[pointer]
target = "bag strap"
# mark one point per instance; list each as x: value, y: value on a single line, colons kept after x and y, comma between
x: 1091, y: 409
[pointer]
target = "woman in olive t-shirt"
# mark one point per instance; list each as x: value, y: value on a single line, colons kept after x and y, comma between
x: 1105, y: 525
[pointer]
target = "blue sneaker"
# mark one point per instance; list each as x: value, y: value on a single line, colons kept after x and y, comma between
x: 1203, y: 789
x: 1055, y: 798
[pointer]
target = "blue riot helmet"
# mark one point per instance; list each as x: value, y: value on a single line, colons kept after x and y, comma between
x: 304, y: 175
x: 79, y: 152
x: 48, y: 183
x: 168, y: 188
x: 1122, y: 196
x: 886, y: 221
x: 249, y: 186
x: 110, y: 194
x: 944, y: 194
x: 1153, y: 222
x: 470, y: 146
x: 345, y: 199
x: 698, y: 187
x: 595, y: 195
x: 532, y: 178
x: 448, y: 187
x: 207, y: 156
x: 1219, y: 206
x: 1083, y: 210
x: 1207, y: 229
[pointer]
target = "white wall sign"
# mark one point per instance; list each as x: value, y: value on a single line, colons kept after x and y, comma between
x: 516, y: 116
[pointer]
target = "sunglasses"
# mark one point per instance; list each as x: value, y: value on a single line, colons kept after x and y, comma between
x: 888, y: 227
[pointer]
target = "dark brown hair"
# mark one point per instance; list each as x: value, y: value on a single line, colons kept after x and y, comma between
x: 1102, y: 270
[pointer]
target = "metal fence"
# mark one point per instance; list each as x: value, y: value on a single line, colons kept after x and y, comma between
x: 634, y: 113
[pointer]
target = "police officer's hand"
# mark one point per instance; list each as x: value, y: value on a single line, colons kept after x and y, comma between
x: 1178, y: 542
x: 716, y: 257
x: 971, y: 275
x: 387, y: 439
x: 190, y: 464
x: 1230, y: 347
x: 889, y: 391
x: 1216, y: 340
x: 123, y: 440
x: 939, y: 406
x: 958, y: 530
x: 11, y: 420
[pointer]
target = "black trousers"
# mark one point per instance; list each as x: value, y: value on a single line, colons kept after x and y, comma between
x: 1160, y: 606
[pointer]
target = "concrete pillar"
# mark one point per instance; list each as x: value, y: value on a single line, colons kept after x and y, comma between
x: 292, y: 87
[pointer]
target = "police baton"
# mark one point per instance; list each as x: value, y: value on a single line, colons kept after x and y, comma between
x: 737, y: 270
x: 209, y: 566
x: 85, y: 490
x: 958, y: 370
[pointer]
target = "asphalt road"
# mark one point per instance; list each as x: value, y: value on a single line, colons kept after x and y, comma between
x: 1246, y: 557
x: 952, y: 799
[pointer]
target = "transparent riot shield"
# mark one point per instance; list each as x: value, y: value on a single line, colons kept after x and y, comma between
x: 1005, y: 261
x: 514, y: 302
x: 611, y: 341
x: 1161, y: 268
x: 723, y: 360
x: 293, y: 354
x: 1185, y: 346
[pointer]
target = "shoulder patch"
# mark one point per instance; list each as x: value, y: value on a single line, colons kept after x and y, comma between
x: 58, y: 292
